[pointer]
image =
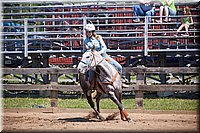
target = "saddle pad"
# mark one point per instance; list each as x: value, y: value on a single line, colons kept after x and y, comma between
x: 108, y: 60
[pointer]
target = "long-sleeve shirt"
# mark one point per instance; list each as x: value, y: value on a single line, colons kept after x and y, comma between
x: 96, y: 43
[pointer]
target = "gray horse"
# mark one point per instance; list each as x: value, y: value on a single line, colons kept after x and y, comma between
x: 107, y: 80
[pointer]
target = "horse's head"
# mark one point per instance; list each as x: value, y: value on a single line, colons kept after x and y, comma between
x: 89, y: 60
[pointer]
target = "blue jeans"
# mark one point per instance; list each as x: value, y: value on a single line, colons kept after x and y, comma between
x: 171, y: 11
x: 112, y: 62
x: 137, y: 11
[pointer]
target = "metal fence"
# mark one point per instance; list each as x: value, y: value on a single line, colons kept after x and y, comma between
x: 40, y: 31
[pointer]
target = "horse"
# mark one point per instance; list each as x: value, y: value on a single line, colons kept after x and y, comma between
x: 108, y: 81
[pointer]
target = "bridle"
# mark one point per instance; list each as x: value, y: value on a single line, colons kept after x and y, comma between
x: 89, y: 64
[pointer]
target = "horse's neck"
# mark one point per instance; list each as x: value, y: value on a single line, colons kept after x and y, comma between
x: 106, y: 69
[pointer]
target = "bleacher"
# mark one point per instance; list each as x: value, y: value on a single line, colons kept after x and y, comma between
x: 55, y: 29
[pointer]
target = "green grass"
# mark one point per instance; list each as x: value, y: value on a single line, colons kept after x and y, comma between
x: 171, y: 104
x: 149, y: 104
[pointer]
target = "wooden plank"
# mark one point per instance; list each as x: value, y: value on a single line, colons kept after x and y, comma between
x: 51, y: 87
x: 26, y: 87
x: 41, y: 87
x: 167, y: 88
x: 68, y: 71
x: 130, y: 88
x: 158, y: 70
x: 24, y: 70
x: 40, y: 70
x: 78, y: 88
x: 132, y: 70
x: 68, y: 87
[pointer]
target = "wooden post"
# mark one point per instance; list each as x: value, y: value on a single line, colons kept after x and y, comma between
x: 163, y: 78
x: 139, y: 96
x: 24, y: 64
x: 35, y: 64
x: 181, y: 64
x: 162, y: 64
x: 54, y: 93
x: 46, y: 65
x: 75, y: 62
x: 45, y: 93
x: 127, y: 64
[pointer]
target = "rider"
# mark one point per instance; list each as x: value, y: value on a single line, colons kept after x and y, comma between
x: 94, y: 41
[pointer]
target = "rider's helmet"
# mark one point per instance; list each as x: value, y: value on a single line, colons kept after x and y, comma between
x: 90, y: 27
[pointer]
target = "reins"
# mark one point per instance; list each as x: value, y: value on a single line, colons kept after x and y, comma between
x: 109, y: 82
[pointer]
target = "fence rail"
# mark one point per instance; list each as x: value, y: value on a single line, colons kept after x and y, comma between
x: 43, y: 33
x: 138, y: 88
x: 130, y: 70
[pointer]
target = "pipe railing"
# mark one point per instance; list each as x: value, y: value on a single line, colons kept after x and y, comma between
x: 108, y: 34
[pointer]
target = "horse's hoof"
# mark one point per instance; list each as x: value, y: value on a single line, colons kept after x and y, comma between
x: 122, y: 116
x: 125, y: 116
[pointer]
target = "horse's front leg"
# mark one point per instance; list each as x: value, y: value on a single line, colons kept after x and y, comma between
x: 98, y: 97
x: 90, y: 101
x: 123, y: 112
x: 119, y: 97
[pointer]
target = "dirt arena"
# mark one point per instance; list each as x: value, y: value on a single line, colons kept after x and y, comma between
x: 56, y: 119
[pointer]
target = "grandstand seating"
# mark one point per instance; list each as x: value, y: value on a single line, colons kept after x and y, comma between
x: 57, y: 28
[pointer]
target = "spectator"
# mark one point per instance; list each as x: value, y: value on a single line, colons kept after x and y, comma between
x: 186, y: 21
x: 169, y: 9
x: 145, y: 8
x: 15, y: 28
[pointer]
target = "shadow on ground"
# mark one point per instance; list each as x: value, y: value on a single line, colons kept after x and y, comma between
x: 77, y: 119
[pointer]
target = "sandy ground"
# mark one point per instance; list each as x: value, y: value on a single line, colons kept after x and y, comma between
x: 60, y: 119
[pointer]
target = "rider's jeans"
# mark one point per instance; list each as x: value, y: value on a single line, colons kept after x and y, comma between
x: 114, y: 62
x: 111, y: 61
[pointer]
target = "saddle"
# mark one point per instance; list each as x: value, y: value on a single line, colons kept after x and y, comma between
x: 96, y: 85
